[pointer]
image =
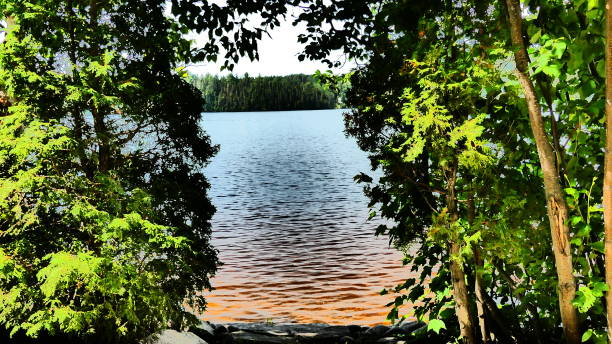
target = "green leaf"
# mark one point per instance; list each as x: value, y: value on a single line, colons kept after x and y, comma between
x: 575, y: 219
x: 599, y: 288
x: 559, y: 48
x: 587, y: 335
x: 598, y: 246
x: 601, y: 68
x: 436, y: 325
x: 536, y: 36
x: 572, y: 192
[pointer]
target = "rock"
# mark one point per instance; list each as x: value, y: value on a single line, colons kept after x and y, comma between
x: 354, y: 329
x: 174, y: 337
x: 204, y: 330
x: 347, y: 340
x: 409, y: 327
x: 279, y: 333
x: 220, y: 329
x: 387, y: 340
x: 232, y: 328
x: 305, y: 337
x: 243, y: 337
x: 263, y: 328
x: 376, y: 331
x: 420, y: 331
x: 225, y: 338
x: 404, y: 328
x: 330, y: 334
x: 338, y: 331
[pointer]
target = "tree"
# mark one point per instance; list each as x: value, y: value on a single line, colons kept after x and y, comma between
x: 104, y: 217
x: 558, y: 212
x: 607, y: 187
x: 497, y: 198
x: 566, y: 81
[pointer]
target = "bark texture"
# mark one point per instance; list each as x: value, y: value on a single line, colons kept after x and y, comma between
x: 556, y: 206
x: 479, y: 288
x: 607, y: 183
x: 460, y: 291
x: 480, y: 304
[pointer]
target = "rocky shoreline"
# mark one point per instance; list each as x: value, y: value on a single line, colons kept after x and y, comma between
x: 267, y: 333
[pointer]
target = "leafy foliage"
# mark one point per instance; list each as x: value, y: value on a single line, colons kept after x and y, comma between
x: 104, y: 212
x: 441, y: 88
x: 104, y: 219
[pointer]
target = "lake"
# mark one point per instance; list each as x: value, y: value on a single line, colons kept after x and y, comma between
x: 291, y: 224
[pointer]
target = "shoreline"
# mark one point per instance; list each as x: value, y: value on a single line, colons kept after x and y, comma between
x: 292, y: 333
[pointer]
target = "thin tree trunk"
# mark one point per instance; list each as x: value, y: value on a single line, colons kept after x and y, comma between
x: 479, y: 289
x: 479, y: 265
x: 507, y: 331
x: 557, y: 208
x: 77, y: 115
x: 98, y: 114
x: 103, y: 142
x: 521, y: 296
x: 5, y: 100
x: 460, y: 291
x: 460, y: 294
x: 607, y: 188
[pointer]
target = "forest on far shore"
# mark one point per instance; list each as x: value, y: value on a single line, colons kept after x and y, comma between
x: 264, y: 93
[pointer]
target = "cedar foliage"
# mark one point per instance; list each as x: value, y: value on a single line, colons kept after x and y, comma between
x: 104, y: 218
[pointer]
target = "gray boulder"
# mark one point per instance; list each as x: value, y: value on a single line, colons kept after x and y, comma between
x: 376, y: 331
x: 411, y: 326
x: 330, y: 334
x: 224, y: 338
x: 264, y: 328
x: 204, y: 330
x: 404, y: 328
x: 174, y: 337
x: 243, y: 337
x: 336, y: 331
x: 219, y: 329
x: 346, y: 340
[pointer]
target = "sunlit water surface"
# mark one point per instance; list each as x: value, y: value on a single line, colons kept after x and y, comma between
x: 291, y: 223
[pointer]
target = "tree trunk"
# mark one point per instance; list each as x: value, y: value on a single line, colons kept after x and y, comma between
x: 557, y: 208
x: 479, y: 289
x: 478, y: 268
x: 5, y: 100
x: 98, y: 114
x: 607, y: 183
x: 460, y: 291
x: 460, y: 294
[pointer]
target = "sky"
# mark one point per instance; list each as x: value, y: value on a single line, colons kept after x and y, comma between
x: 277, y: 56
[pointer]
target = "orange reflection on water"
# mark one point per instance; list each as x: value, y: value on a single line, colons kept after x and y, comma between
x: 343, y: 292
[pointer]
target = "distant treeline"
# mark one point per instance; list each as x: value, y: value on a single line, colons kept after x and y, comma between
x: 264, y: 93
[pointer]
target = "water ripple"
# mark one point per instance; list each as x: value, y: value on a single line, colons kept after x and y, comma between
x: 290, y: 223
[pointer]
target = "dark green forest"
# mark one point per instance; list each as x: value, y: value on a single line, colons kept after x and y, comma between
x: 263, y: 93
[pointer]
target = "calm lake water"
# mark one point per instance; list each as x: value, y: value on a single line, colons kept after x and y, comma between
x: 291, y: 223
